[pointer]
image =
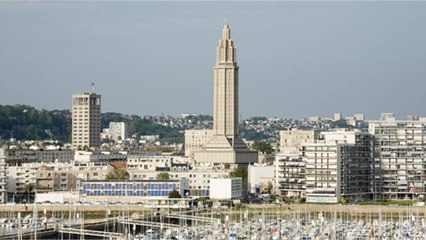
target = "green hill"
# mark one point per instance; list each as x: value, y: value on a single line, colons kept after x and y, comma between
x: 27, y: 123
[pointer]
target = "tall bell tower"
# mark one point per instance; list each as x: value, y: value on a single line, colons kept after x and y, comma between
x: 225, y: 146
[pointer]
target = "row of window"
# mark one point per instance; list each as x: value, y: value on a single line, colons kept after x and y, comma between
x: 127, y: 193
x: 129, y: 186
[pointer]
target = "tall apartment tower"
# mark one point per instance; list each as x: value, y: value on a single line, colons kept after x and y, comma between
x: 118, y: 131
x: 86, y: 120
x: 339, y: 166
x: 399, y: 157
x: 3, y: 176
x: 225, y: 146
x: 289, y: 166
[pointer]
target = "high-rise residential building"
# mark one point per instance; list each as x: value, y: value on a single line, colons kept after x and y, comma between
x: 289, y: 166
x: 118, y: 130
x: 388, y: 162
x: 2, y: 176
x: 399, y: 157
x: 225, y: 146
x: 339, y: 166
x: 86, y: 120
x: 290, y: 175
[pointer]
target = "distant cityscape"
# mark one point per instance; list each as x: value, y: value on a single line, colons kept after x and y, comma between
x: 318, y: 159
x: 258, y: 128
x: 86, y: 157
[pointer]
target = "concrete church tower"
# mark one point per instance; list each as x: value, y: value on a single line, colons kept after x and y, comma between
x: 225, y: 147
x: 225, y: 109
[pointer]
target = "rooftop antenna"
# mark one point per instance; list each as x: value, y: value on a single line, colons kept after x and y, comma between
x: 93, y: 87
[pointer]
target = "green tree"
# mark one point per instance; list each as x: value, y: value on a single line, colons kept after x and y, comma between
x: 26, y: 122
x: 163, y: 176
x: 174, y: 194
x: 263, y: 147
x: 117, y: 174
x: 239, y: 171
x: 269, y: 187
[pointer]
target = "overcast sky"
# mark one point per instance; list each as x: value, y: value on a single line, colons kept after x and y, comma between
x: 297, y: 59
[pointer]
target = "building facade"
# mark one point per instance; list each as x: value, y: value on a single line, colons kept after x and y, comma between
x: 2, y: 176
x: 260, y: 178
x: 86, y: 120
x: 290, y: 175
x: 150, y: 162
x: 226, y: 188
x: 104, y: 190
x: 399, y: 157
x: 118, y: 131
x: 339, y: 166
x: 65, y: 176
x: 21, y: 179
x: 17, y: 157
x: 198, y: 177
x: 289, y: 166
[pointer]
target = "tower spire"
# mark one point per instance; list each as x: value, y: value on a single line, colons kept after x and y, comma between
x: 226, y: 52
x: 226, y: 31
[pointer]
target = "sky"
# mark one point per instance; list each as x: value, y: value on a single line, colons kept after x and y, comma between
x: 296, y: 59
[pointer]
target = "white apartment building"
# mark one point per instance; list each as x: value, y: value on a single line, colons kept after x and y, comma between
x: 2, y: 176
x: 290, y: 176
x: 339, y: 165
x: 86, y: 120
x: 322, y: 172
x: 52, y: 176
x: 399, y: 157
x: 21, y: 178
x: 147, y: 162
x: 359, y: 116
x: 337, y: 116
x: 118, y: 131
x: 90, y: 170
x: 289, y: 166
x: 260, y: 176
x: 226, y: 188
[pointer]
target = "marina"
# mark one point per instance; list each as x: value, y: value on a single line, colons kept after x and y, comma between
x: 307, y: 222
